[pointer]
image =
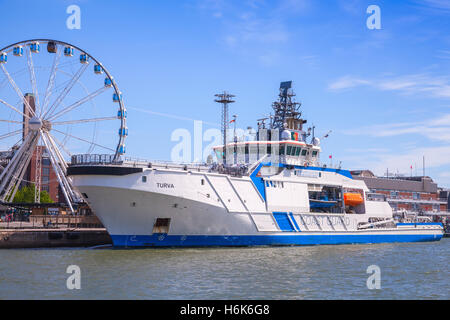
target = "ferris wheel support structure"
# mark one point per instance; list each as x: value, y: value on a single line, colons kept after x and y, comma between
x: 42, y: 114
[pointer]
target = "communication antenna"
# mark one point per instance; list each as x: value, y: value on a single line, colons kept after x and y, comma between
x: 286, y: 110
x: 262, y: 123
x: 224, y: 98
x: 423, y: 164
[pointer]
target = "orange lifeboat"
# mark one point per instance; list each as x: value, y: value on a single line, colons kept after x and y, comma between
x: 353, y: 199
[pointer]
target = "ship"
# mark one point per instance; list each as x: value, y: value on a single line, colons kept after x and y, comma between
x: 269, y: 190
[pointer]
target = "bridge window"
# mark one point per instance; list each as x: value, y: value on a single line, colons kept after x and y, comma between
x: 292, y: 153
x: 282, y: 150
x: 314, y: 153
x: 219, y: 153
x: 288, y: 151
x: 304, y: 152
x: 297, y: 151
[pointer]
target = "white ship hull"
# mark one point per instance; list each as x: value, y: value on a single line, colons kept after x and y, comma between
x: 210, y: 209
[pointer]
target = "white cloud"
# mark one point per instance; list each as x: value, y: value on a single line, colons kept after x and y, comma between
x: 437, y: 86
x: 347, y: 82
x: 401, y: 157
x: 437, y: 4
x: 434, y: 157
x: 401, y: 160
x: 443, y: 54
x: 255, y: 28
x: 249, y: 28
x: 436, y: 129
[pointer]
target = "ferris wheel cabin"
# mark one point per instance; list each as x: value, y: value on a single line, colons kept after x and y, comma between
x: 35, y: 47
x: 18, y: 51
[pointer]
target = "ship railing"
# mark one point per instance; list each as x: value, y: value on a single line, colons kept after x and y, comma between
x: 234, y: 170
x: 84, y: 159
x: 108, y: 159
x: 196, y: 166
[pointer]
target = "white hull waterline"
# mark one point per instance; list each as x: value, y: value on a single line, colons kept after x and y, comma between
x: 176, y: 207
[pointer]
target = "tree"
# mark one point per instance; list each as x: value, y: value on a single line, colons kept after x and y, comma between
x: 26, y: 195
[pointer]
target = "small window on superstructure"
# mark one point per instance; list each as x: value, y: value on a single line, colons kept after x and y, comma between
x: 304, y: 152
x: 144, y: 178
x: 202, y: 182
x: 269, y: 149
x: 282, y: 150
x: 246, y: 149
x: 314, y: 153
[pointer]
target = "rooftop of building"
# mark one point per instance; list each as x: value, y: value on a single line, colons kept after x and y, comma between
x: 396, y: 182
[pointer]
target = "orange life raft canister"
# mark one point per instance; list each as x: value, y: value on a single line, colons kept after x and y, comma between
x: 353, y: 199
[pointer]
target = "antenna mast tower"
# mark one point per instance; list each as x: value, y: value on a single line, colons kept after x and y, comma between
x: 286, y: 110
x: 224, y: 98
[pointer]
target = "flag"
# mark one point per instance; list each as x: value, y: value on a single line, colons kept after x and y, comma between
x: 234, y: 120
x: 331, y: 156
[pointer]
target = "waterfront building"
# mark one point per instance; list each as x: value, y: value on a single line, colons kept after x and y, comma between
x: 413, y: 194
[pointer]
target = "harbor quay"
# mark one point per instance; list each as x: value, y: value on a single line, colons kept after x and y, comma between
x: 44, y: 231
x: 56, y: 237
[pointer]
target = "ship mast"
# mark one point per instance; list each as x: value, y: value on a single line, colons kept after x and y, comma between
x: 225, y: 99
x: 286, y: 110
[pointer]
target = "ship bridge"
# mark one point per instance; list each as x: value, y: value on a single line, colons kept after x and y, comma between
x: 289, y: 152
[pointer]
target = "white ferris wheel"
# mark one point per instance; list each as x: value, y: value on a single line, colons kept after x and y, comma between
x: 56, y: 100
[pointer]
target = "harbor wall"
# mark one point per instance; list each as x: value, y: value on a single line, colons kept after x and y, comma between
x: 47, y: 238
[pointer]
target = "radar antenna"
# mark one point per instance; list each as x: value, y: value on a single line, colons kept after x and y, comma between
x: 286, y: 109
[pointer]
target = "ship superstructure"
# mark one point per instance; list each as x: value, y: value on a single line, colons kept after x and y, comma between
x: 271, y: 190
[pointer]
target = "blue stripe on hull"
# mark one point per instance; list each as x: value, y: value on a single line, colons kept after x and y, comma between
x: 163, y: 240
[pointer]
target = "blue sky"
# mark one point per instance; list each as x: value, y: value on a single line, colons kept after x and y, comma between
x: 385, y: 94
